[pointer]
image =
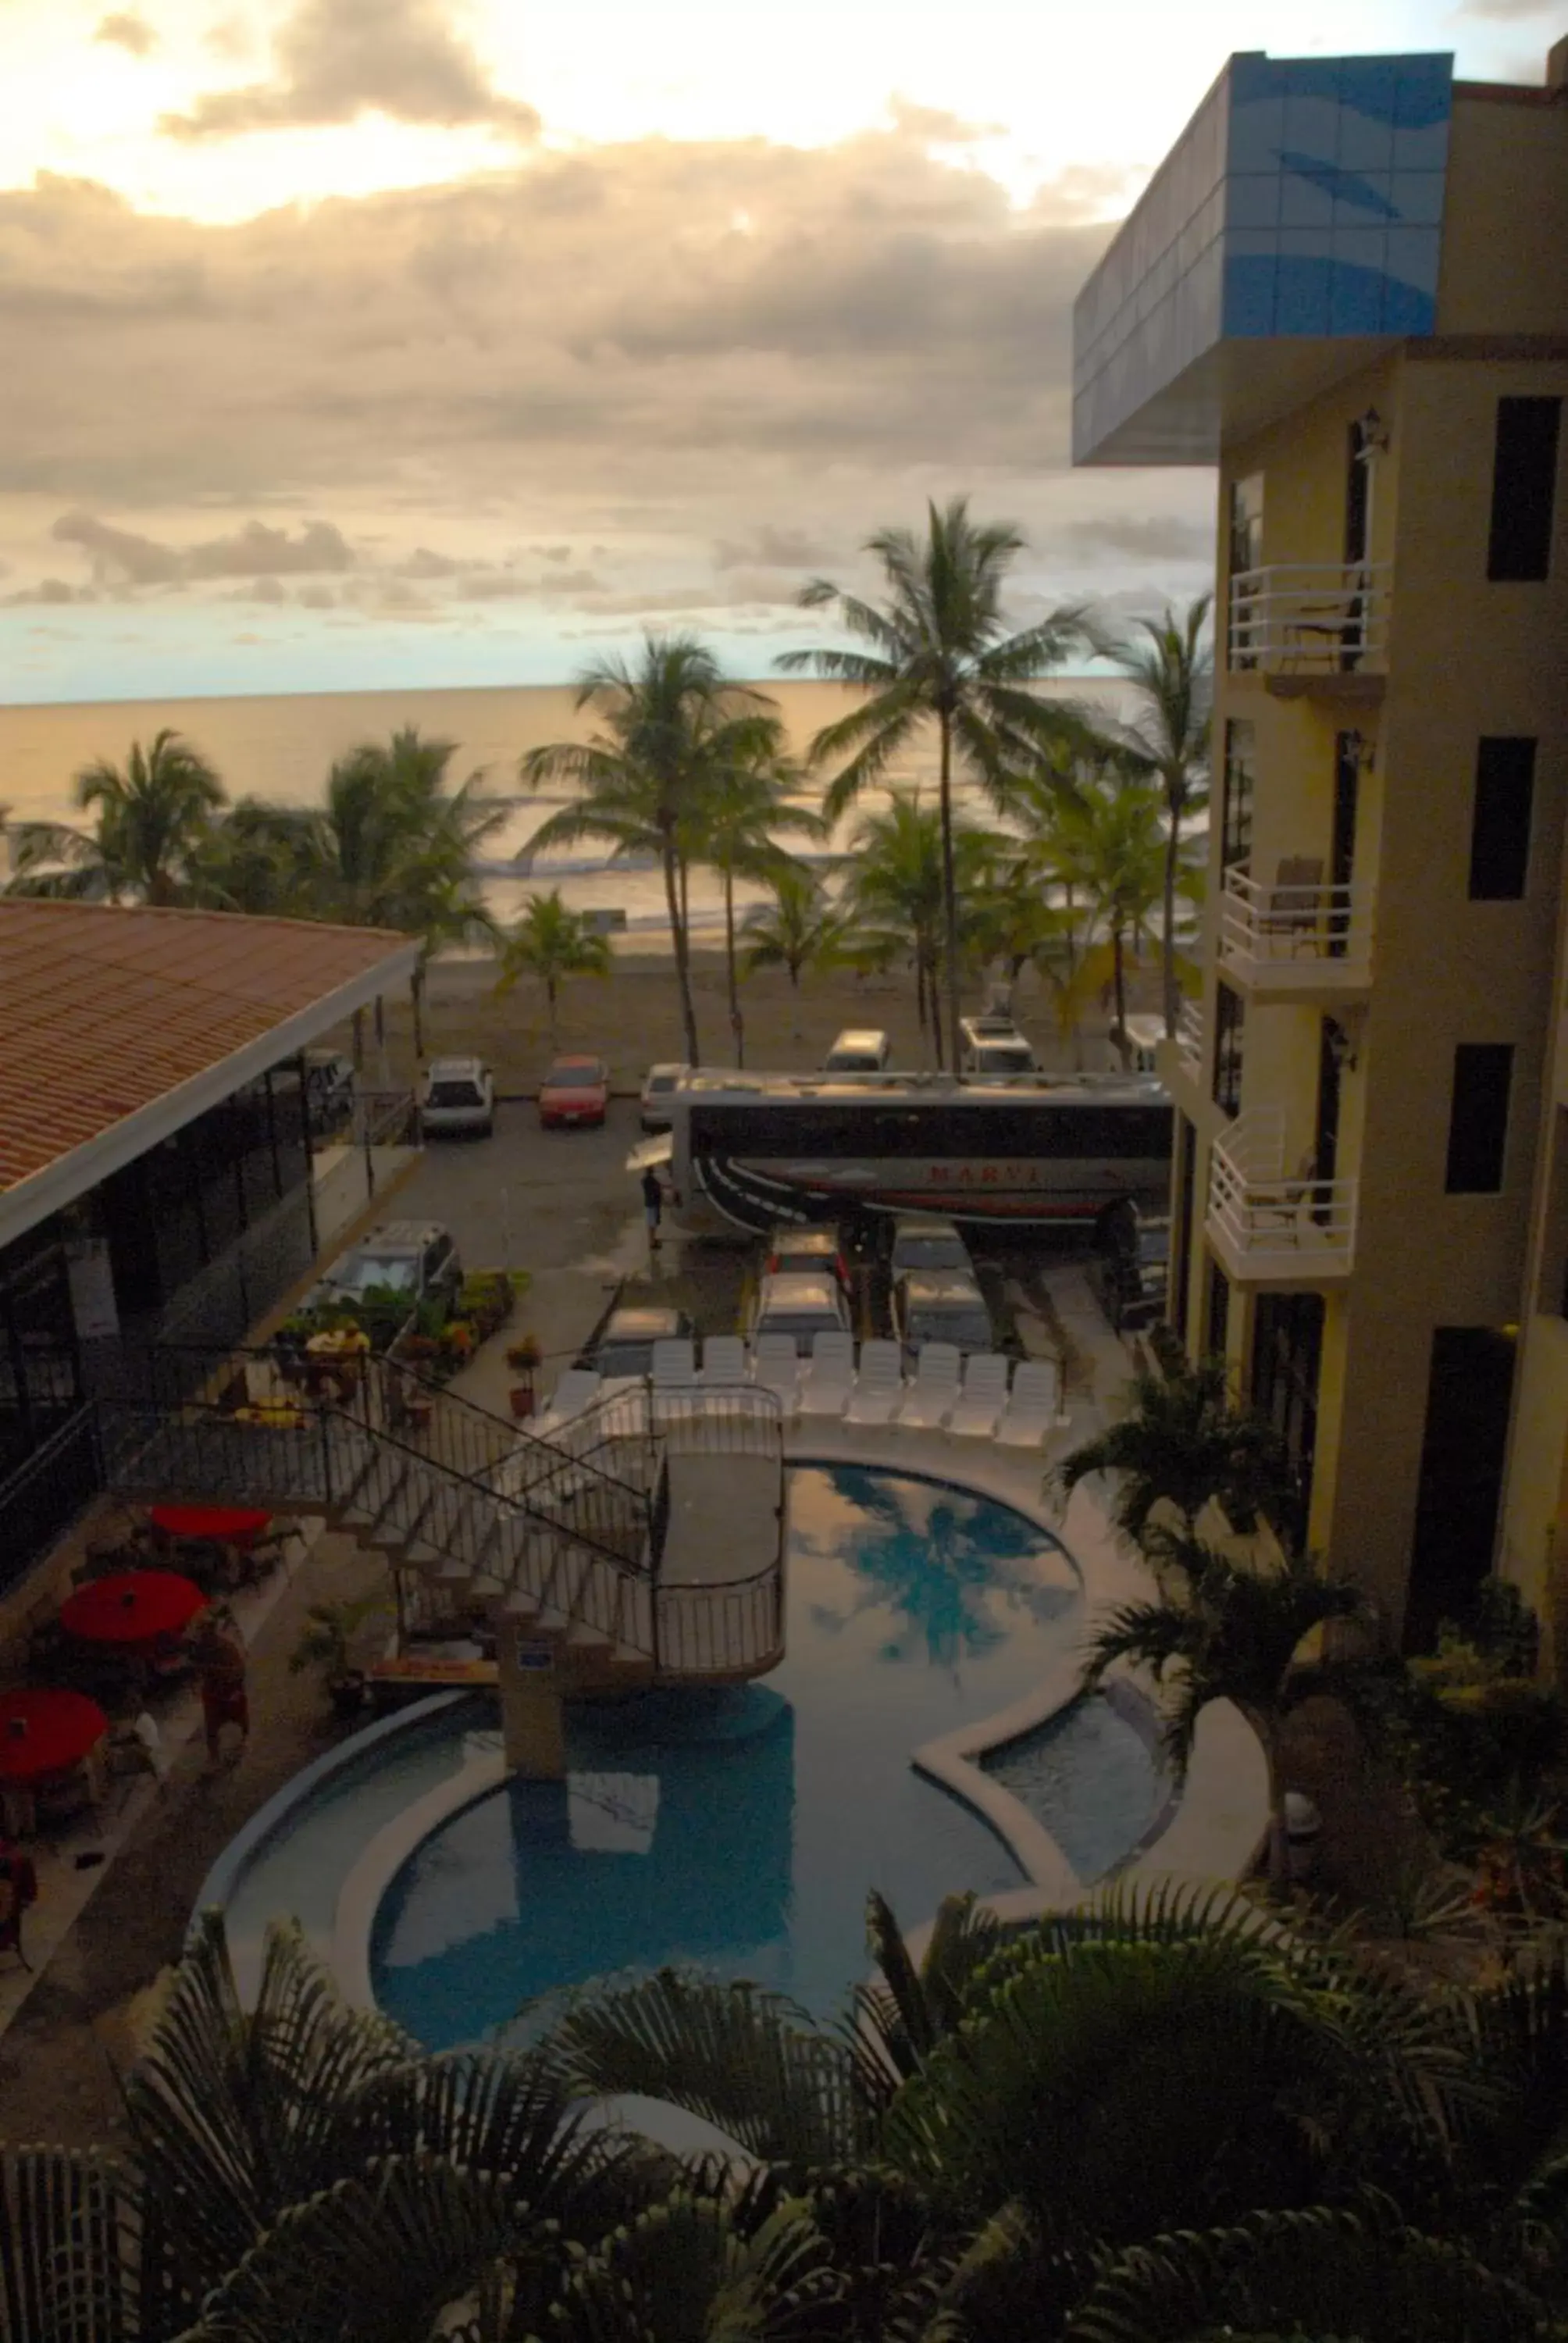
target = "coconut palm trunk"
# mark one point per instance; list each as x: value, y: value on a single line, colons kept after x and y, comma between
x: 950, y: 893
x: 417, y: 1007
x: 1168, y: 931
x: 731, y: 970
x: 673, y: 891
x: 1118, y: 967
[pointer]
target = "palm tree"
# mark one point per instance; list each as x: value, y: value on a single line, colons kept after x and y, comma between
x: 1225, y: 1631
x: 938, y: 651
x: 896, y: 888
x: 550, y: 942
x: 743, y: 802
x: 799, y: 931
x: 671, y: 724
x: 152, y: 818
x: 1181, y: 1442
x: 1172, y: 672
x: 391, y: 846
x: 1108, y: 845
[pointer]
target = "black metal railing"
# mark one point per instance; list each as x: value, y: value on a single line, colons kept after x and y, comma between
x: 736, y: 1629
x: 58, y: 1481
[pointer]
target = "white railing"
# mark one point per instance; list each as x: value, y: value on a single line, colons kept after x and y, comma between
x: 1268, y: 1224
x: 1189, y: 1039
x: 1297, y: 921
x: 1305, y: 617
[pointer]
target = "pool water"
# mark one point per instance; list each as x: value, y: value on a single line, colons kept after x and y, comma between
x: 1091, y: 1777
x: 739, y: 1828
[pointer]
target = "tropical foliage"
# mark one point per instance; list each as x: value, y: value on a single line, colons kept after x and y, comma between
x: 550, y: 943
x: 744, y: 802
x: 1170, y: 665
x: 1182, y: 1441
x: 1163, y: 2119
x: 895, y: 893
x: 1108, y: 851
x: 938, y: 651
x: 799, y: 931
x: 153, y: 818
x: 671, y: 731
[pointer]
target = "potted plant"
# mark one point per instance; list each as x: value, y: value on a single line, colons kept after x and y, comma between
x: 523, y: 1358
x: 324, y: 1644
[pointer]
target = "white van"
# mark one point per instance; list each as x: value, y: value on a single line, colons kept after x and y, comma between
x: 858, y: 1051
x: 993, y: 1045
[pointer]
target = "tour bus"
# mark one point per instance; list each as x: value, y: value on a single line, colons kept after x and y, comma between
x: 746, y: 1151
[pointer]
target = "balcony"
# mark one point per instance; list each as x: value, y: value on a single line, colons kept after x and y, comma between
x: 1319, y: 627
x: 1296, y: 939
x: 1268, y: 1228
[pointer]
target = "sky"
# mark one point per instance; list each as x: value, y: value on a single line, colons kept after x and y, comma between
x: 358, y: 342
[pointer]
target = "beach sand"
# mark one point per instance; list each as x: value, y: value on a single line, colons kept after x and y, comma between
x: 632, y: 1018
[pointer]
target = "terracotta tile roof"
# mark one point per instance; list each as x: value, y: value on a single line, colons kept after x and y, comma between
x: 105, y: 1009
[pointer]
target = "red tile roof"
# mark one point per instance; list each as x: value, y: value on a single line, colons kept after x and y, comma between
x: 105, y: 1009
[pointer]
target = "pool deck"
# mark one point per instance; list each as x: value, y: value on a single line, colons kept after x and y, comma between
x: 723, y: 1519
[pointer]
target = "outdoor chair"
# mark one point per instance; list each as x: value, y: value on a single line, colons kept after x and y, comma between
x: 674, y: 1364
x: 934, y: 1393
x: 1295, y: 905
x: 980, y: 1408
x: 879, y: 1386
x: 1034, y: 1408
x: 830, y: 1378
x: 723, y: 1362
x: 776, y: 1367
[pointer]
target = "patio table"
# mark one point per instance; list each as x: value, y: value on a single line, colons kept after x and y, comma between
x: 44, y: 1733
x: 132, y: 1606
x: 235, y: 1525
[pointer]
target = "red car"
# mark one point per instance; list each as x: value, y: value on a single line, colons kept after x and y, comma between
x: 576, y: 1090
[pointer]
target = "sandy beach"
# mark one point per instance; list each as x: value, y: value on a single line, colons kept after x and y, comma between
x: 632, y: 1017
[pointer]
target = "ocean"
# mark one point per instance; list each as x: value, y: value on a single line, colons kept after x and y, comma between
x: 281, y: 745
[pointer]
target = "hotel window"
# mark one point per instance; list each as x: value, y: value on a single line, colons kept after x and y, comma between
x: 1500, y: 822
x: 1236, y: 796
x: 1523, y: 489
x: 1244, y: 554
x: 1216, y: 1313
x: 1230, y: 1020
x: 1287, y: 1356
x: 1478, y: 1119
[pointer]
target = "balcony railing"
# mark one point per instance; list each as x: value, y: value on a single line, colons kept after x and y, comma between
x: 1310, y: 619
x: 1271, y: 1227
x: 1294, y: 936
x: 1190, y: 1039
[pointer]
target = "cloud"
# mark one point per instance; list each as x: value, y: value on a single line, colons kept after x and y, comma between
x: 1503, y: 9
x: 125, y: 556
x: 770, y: 548
x: 1153, y: 537
x: 126, y: 30
x: 336, y: 60
x: 572, y: 370
x: 48, y: 590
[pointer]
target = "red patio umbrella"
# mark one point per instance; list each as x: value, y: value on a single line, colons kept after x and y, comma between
x: 44, y: 1732
x: 223, y: 1525
x: 132, y: 1606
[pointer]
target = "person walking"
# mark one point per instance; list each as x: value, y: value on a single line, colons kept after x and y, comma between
x: 220, y: 1671
x: 652, y: 1206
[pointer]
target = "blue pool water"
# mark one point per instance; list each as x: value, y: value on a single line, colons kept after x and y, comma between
x: 739, y: 1829
x: 1091, y: 1778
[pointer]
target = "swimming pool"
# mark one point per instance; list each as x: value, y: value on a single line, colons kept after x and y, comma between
x: 739, y: 1829
x: 736, y: 1828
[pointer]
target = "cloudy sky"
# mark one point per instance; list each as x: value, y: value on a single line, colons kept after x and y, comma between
x: 353, y: 342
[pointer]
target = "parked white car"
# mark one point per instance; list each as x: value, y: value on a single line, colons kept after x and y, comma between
x: 457, y: 1095
x: 657, y: 1085
x: 801, y: 1306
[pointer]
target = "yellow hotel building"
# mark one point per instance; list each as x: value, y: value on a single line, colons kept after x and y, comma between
x: 1347, y: 287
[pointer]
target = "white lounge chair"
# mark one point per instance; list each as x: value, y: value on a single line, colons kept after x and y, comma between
x: 674, y: 1364
x: 576, y: 1390
x: 1034, y: 1406
x: 934, y: 1393
x: 879, y: 1386
x: 980, y: 1410
x: 829, y: 1377
x: 776, y: 1367
x: 723, y: 1361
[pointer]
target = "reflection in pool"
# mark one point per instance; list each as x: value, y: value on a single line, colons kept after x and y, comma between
x: 739, y: 1828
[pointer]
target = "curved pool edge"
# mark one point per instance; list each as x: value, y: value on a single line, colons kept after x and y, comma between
x: 361, y: 1895
x: 217, y: 1889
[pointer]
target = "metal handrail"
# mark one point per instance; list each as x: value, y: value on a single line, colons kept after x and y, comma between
x: 1260, y: 919
x: 1312, y: 614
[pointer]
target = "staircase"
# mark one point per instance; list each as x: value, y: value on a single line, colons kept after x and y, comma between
x: 560, y: 1541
